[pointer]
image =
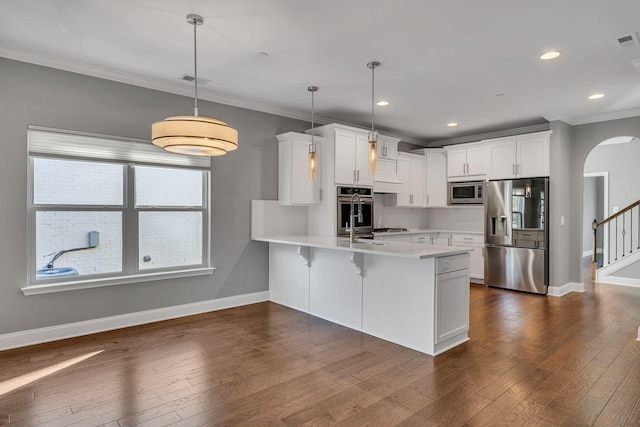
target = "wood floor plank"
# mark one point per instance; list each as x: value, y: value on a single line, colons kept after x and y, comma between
x: 532, y: 360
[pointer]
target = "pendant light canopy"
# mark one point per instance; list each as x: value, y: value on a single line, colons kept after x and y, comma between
x: 313, y: 162
x: 194, y: 135
x: 373, y: 134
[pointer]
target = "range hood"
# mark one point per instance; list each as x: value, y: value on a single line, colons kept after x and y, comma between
x: 386, y: 178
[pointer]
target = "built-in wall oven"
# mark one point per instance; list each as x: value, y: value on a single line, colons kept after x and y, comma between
x: 364, y: 224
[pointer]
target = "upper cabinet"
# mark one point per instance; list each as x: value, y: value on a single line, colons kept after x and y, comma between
x: 467, y: 161
x: 351, y: 158
x: 520, y: 156
x: 436, y: 178
x: 294, y: 185
x: 387, y: 147
x: 411, y: 173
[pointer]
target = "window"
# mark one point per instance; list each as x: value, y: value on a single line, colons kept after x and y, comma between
x: 104, y: 210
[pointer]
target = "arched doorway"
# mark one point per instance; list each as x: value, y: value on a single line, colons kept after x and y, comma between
x: 610, y: 184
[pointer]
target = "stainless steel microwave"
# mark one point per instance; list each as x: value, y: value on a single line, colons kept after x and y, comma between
x: 466, y: 193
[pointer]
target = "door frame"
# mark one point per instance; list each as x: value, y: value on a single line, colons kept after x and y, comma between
x: 605, y: 236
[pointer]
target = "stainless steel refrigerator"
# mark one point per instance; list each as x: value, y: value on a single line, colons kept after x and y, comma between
x: 517, y: 234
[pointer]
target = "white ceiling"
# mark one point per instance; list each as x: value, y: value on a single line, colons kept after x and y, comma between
x: 441, y: 60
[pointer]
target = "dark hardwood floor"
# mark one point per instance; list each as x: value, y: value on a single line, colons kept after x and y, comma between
x: 532, y: 360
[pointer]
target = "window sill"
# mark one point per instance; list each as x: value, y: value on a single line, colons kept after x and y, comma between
x: 112, y: 281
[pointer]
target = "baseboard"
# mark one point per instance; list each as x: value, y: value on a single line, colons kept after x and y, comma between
x: 562, y: 290
x: 76, y: 329
x: 621, y: 281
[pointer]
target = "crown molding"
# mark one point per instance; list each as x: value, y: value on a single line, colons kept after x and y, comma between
x: 605, y: 117
x: 552, y: 117
x: 177, y: 88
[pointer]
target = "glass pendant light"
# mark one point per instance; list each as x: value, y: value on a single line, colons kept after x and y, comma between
x: 194, y: 135
x: 313, y: 163
x: 373, y: 135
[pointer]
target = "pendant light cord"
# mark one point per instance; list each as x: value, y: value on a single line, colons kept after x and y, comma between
x: 312, y: 116
x: 195, y: 66
x: 373, y: 72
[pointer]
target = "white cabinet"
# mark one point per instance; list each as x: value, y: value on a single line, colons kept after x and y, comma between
x: 424, y: 238
x: 411, y: 173
x: 294, y: 185
x: 521, y: 156
x: 436, y: 162
x: 466, y: 161
x: 351, y: 158
x: 406, y: 238
x: 387, y: 147
x: 441, y: 239
x: 451, y: 296
x: 476, y: 242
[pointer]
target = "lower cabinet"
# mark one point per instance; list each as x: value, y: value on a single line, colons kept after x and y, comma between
x: 452, y: 309
x: 402, y: 238
x: 422, y: 304
x: 476, y: 242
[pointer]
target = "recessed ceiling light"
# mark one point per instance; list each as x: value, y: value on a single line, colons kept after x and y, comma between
x: 453, y: 124
x: 596, y: 96
x: 552, y: 54
x: 382, y: 103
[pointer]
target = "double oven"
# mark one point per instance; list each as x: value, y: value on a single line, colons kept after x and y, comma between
x: 364, y: 224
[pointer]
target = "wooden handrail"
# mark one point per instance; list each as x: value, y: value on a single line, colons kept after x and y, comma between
x: 595, y: 224
x: 615, y: 215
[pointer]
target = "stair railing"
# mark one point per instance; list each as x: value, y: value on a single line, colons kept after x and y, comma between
x: 623, y: 245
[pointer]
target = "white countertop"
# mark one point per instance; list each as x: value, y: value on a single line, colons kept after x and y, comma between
x: 425, y: 231
x: 374, y: 247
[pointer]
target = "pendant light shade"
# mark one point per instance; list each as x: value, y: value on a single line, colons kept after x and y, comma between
x: 313, y: 161
x: 373, y: 134
x: 194, y: 135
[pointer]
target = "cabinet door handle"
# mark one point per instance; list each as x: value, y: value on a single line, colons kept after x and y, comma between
x: 519, y: 169
x: 354, y: 176
x: 358, y: 174
x: 468, y: 169
x: 513, y: 169
x: 427, y: 199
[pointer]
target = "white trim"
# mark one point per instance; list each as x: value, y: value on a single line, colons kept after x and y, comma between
x: 620, y: 281
x: 638, y: 339
x: 178, y: 88
x: 607, y: 273
x: 552, y: 117
x: 605, y: 209
x: 111, y: 281
x: 605, y: 117
x: 70, y: 330
x: 562, y: 290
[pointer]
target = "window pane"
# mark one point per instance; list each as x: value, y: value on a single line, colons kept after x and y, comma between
x: 70, y: 182
x: 58, y: 231
x: 169, y: 239
x: 168, y: 186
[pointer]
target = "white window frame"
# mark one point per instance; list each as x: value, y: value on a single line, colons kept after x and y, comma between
x: 79, y: 146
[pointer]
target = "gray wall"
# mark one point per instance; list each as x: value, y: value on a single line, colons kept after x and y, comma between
x: 622, y: 161
x: 559, y: 205
x: 34, y: 95
x: 585, y: 138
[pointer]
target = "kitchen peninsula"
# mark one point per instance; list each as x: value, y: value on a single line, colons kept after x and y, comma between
x: 410, y: 294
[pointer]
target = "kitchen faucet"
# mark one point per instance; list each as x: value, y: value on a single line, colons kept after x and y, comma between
x: 352, y: 215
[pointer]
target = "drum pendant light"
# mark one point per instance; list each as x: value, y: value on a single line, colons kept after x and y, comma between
x: 194, y: 135
x: 373, y: 135
x: 313, y: 163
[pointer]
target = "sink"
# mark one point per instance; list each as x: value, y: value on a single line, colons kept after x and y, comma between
x: 50, y: 273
